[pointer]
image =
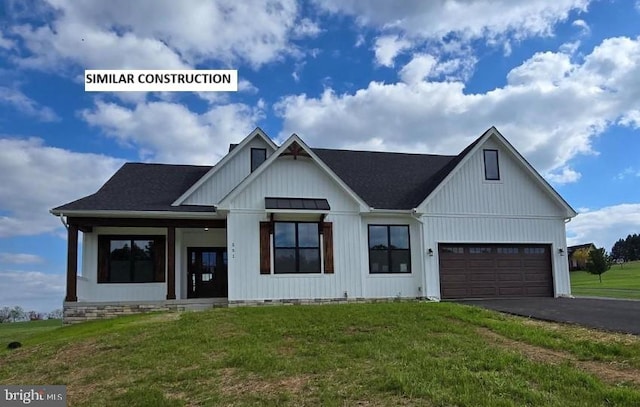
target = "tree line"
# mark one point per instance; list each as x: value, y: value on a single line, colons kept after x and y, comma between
x: 627, y: 249
x: 17, y: 314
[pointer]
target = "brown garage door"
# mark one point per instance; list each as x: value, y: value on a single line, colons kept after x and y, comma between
x: 491, y: 270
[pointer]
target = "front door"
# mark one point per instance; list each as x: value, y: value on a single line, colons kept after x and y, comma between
x: 207, y: 272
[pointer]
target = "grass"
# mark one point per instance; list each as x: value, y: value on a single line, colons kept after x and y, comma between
x: 386, y: 354
x: 19, y: 331
x: 617, y: 282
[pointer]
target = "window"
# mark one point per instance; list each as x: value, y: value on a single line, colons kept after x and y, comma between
x: 296, y: 247
x: 491, y: 167
x: 534, y: 250
x: 451, y: 249
x: 479, y: 250
x: 258, y: 156
x: 507, y: 250
x: 128, y: 259
x: 389, y: 249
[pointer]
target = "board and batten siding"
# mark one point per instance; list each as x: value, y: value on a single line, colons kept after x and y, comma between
x: 516, y: 193
x: 246, y: 283
x: 300, y: 178
x: 391, y: 285
x: 88, y: 287
x: 228, y: 176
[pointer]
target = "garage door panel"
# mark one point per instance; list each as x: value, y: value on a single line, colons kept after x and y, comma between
x: 493, y: 270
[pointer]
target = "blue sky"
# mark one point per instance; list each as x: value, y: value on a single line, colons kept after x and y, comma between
x: 560, y: 79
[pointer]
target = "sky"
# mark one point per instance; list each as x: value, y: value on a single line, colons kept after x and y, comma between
x: 559, y: 79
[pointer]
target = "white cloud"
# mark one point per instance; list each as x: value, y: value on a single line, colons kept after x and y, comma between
x: 564, y: 175
x: 551, y: 109
x: 32, y: 290
x: 583, y: 26
x: 388, y: 47
x: 171, y: 133
x: 468, y: 19
x: 604, y: 226
x: 418, y: 68
x: 123, y: 34
x: 20, y: 258
x: 6, y: 43
x: 25, y: 105
x: 626, y: 173
x: 35, y: 178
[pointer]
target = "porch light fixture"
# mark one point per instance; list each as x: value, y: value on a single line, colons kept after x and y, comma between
x: 206, y: 229
x: 561, y: 251
x: 430, y: 251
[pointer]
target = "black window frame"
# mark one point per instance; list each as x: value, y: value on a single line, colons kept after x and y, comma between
x: 252, y: 163
x: 389, y: 249
x: 104, y: 242
x: 296, y: 248
x: 486, y: 174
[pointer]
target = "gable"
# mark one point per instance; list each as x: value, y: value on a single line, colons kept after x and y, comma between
x: 230, y: 173
x: 516, y: 193
x: 293, y: 178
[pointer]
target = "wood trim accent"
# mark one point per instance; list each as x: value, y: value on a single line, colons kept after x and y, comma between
x: 72, y: 263
x: 144, y: 222
x: 103, y: 259
x: 327, y: 235
x: 171, y: 263
x: 265, y: 247
x: 295, y: 150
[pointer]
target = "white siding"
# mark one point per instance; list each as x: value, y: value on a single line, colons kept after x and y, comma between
x: 394, y: 285
x: 440, y: 229
x: 227, y: 176
x: 246, y: 282
x: 301, y: 178
x: 516, y: 193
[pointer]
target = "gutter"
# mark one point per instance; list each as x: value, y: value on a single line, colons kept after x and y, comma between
x: 136, y: 214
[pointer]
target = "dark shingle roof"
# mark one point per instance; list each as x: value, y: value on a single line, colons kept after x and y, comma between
x: 143, y: 187
x: 387, y: 180
x: 383, y: 180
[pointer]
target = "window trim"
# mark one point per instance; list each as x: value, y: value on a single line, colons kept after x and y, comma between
x: 484, y: 154
x: 106, y: 256
x: 252, y: 168
x: 297, y: 249
x: 388, y: 249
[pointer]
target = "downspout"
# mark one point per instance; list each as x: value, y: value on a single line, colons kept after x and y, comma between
x: 416, y: 216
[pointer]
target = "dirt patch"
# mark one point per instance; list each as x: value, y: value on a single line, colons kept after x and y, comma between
x: 233, y: 384
x: 609, y: 372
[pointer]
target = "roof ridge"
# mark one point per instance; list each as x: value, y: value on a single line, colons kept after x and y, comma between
x: 167, y: 164
x: 383, y: 152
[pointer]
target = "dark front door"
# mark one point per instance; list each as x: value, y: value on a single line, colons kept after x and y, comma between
x: 207, y: 272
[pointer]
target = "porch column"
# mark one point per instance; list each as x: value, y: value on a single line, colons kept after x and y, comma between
x: 171, y: 263
x: 72, y: 263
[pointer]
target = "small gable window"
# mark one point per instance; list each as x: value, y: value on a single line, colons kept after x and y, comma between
x: 258, y: 156
x: 491, y: 167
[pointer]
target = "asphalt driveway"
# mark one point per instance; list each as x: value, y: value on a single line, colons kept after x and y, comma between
x: 607, y: 314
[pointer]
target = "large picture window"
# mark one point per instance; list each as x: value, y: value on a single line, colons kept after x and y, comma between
x: 296, y: 247
x: 131, y: 259
x: 389, y: 250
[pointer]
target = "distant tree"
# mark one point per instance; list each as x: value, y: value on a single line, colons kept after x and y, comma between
x: 581, y: 256
x: 599, y: 262
x: 55, y: 314
x: 618, y: 250
x: 17, y: 313
x: 5, y: 315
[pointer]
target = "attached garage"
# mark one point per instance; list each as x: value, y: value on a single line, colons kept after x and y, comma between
x: 495, y: 270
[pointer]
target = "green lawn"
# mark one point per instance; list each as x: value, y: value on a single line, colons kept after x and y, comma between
x: 386, y: 354
x: 618, y: 282
x: 19, y: 331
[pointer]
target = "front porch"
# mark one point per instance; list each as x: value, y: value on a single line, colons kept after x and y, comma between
x: 138, y: 264
x: 75, y: 312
